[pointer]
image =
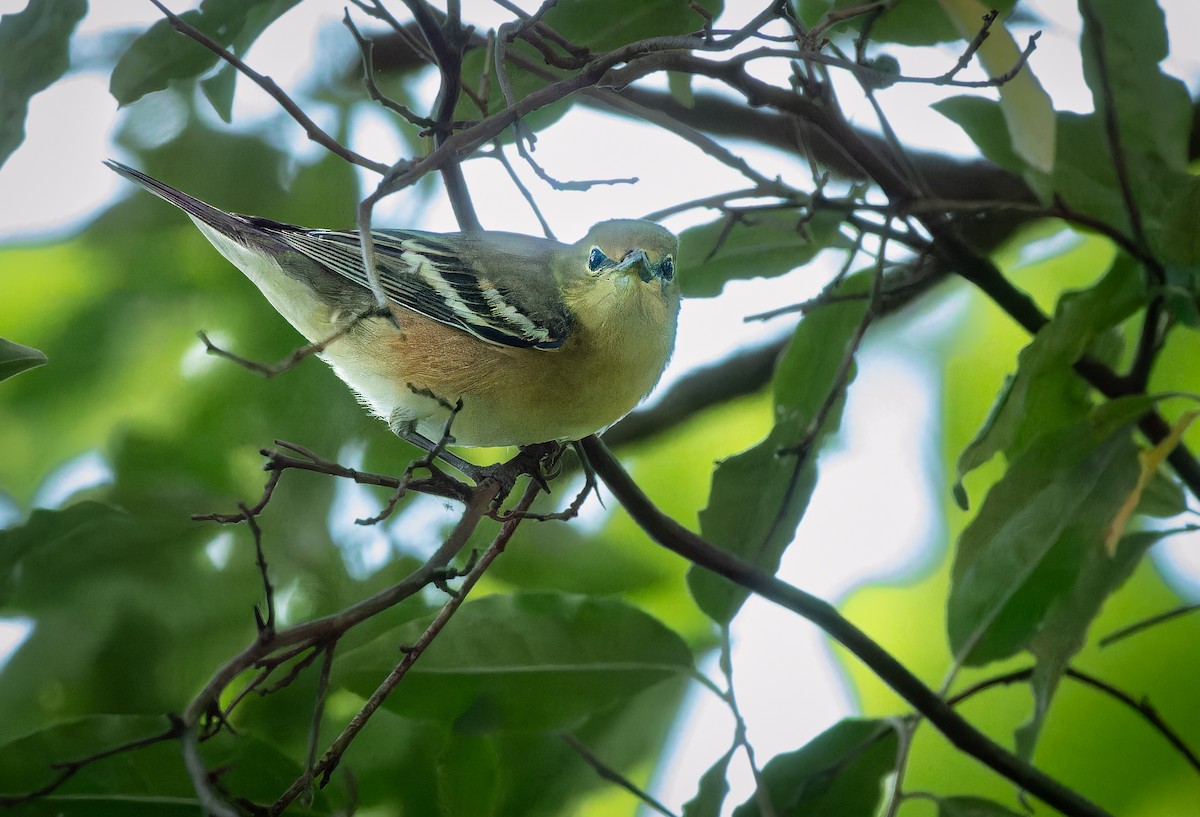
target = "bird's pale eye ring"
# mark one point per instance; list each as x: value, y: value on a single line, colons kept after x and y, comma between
x: 596, y: 259
x: 667, y: 268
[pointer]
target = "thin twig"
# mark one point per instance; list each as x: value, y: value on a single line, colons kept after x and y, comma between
x: 969, y: 52
x: 905, y: 727
x: 839, y: 15
x: 314, y: 733
x: 1145, y: 624
x: 265, y: 624
x: 268, y: 370
x: 741, y: 738
x: 379, y: 11
x: 498, y: 154
x: 366, y: 47
x: 68, y: 769
x: 580, y: 185
x: 337, y: 624
x: 245, y: 513
x: 610, y: 774
x: 268, y: 667
x: 804, y: 307
x: 533, y: 22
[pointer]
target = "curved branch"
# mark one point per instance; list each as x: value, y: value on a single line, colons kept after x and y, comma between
x: 673, y: 536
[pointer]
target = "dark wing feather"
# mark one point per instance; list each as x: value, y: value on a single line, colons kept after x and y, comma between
x: 424, y: 273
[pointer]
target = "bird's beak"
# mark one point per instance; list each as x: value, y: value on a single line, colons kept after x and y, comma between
x: 638, y: 259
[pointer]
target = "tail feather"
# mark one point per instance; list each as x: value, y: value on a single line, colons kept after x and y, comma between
x: 241, y: 229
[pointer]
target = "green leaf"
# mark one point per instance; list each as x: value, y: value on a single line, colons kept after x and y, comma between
x: 603, y: 25
x: 218, y: 90
x: 468, y: 777
x: 1038, y: 526
x: 15, y: 358
x: 523, y: 661
x: 972, y: 807
x: 764, y: 245
x: 983, y: 121
x: 33, y: 54
x: 1153, y: 109
x: 1064, y: 627
x: 1153, y: 116
x: 104, y: 589
x: 162, y: 55
x: 710, y: 795
x: 1045, y: 394
x: 758, y: 496
x: 916, y: 22
x: 839, y: 774
x: 48, y: 532
x: 1180, y: 241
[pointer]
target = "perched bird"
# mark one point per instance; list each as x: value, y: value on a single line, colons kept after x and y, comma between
x: 539, y: 340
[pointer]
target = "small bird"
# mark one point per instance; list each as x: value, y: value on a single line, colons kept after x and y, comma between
x: 539, y: 340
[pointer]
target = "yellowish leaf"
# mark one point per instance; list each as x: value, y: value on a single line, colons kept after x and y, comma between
x: 1027, y: 108
x: 1149, y: 462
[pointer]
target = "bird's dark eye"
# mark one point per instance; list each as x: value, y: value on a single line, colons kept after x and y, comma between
x: 596, y: 259
x: 667, y: 269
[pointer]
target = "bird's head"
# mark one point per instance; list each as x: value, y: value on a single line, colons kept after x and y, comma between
x: 633, y: 247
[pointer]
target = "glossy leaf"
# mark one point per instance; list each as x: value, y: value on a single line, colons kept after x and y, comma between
x: 523, y: 661
x: 1152, y: 115
x: 1037, y: 528
x: 921, y: 23
x: 33, y: 54
x: 1097, y: 575
x: 602, y: 25
x: 759, y: 496
x: 1151, y: 107
x: 15, y: 358
x: 710, y: 795
x: 983, y: 120
x: 972, y: 807
x: 162, y: 55
x: 129, y: 612
x: 840, y: 773
x: 1045, y: 393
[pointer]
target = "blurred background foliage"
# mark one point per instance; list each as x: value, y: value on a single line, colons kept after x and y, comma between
x: 133, y: 604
